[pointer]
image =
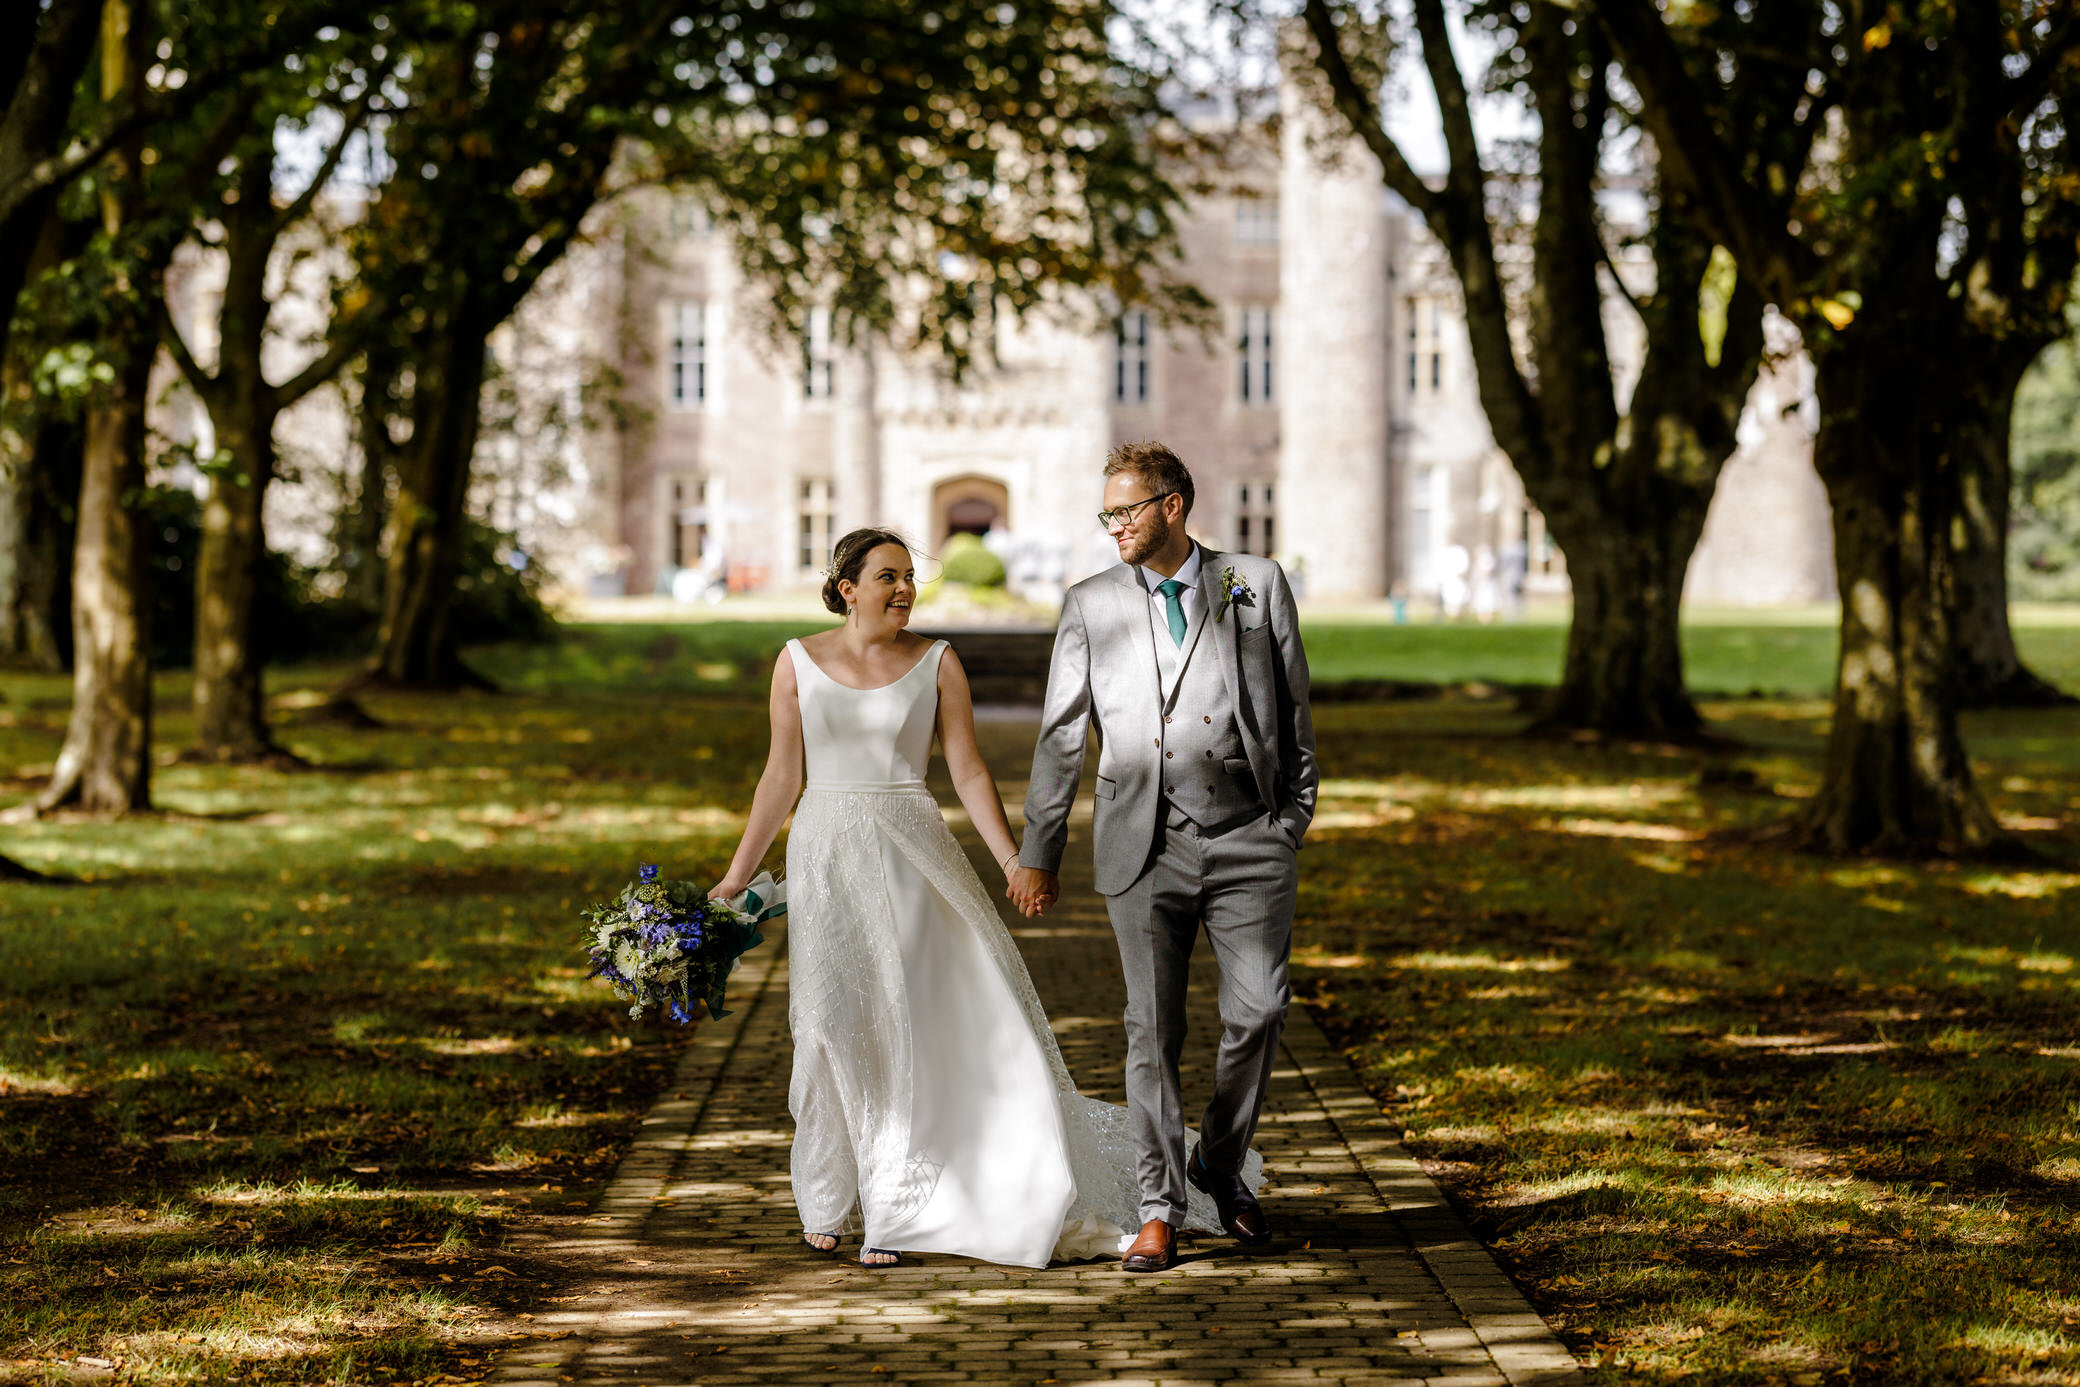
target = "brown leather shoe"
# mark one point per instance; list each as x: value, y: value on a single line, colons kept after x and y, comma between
x: 1154, y: 1250
x: 1240, y: 1213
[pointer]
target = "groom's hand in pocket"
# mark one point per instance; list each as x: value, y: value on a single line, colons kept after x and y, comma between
x: 1033, y: 890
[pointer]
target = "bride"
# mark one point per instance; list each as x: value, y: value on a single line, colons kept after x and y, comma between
x: 932, y: 1109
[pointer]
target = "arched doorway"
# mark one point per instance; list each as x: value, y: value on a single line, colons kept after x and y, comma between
x: 969, y: 505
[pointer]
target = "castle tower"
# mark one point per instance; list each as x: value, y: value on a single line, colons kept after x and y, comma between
x: 1333, y: 314
x: 856, y: 442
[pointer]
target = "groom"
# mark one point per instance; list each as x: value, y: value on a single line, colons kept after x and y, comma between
x: 1188, y: 663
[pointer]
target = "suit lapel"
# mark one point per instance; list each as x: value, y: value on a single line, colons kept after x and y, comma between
x: 1223, y: 629
x: 1133, y: 608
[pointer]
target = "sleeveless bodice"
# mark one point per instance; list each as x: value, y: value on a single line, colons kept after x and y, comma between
x: 867, y: 739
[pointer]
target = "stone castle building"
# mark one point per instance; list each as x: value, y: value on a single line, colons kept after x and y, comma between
x: 1330, y: 420
x: 646, y: 432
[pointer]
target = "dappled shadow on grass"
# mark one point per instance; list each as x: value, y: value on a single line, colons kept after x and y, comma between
x: 370, y: 983
x: 247, y: 1282
x: 1731, y: 1115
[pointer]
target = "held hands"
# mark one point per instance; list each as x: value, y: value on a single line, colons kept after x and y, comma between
x: 1032, y: 890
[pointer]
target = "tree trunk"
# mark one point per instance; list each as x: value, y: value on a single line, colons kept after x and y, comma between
x: 1623, y: 675
x: 28, y: 531
x: 360, y: 525
x: 1897, y: 780
x: 38, y: 466
x: 36, y: 545
x: 105, y: 764
x: 1990, y: 674
x: 230, y: 706
x: 423, y: 536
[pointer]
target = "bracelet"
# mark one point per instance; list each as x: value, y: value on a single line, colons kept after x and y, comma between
x: 1011, y: 856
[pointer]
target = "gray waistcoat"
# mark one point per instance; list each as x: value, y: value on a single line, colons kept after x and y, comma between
x: 1206, y: 774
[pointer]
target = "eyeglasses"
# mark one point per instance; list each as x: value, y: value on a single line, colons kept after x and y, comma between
x: 1124, y: 515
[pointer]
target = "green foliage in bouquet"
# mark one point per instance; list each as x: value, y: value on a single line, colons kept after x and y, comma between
x: 665, y: 944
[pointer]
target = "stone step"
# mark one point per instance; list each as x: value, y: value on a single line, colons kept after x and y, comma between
x: 1006, y: 665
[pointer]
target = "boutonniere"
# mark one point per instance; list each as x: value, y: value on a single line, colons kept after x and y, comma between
x: 1235, y: 592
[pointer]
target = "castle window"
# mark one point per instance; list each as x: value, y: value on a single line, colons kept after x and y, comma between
x: 686, y: 354
x: 688, y: 217
x: 816, y: 356
x: 689, y: 521
x: 1256, y: 521
x: 1130, y: 359
x: 1425, y: 342
x: 1255, y: 355
x: 1256, y: 221
x: 818, y: 515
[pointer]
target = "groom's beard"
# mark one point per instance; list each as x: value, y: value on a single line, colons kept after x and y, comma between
x: 1137, y: 549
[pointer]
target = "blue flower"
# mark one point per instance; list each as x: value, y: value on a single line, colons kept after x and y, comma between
x: 1234, y: 588
x: 648, y: 871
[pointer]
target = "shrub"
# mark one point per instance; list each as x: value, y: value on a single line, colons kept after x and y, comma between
x: 497, y: 594
x: 969, y: 561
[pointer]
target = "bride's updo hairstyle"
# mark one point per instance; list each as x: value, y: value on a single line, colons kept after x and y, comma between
x: 849, y: 556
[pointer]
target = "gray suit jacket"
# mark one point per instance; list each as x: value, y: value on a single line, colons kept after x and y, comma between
x: 1104, y: 675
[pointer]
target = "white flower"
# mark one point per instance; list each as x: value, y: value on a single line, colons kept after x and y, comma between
x: 1235, y: 590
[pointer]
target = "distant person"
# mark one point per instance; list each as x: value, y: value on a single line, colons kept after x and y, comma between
x: 1453, y: 562
x: 1516, y: 572
x: 1487, y: 585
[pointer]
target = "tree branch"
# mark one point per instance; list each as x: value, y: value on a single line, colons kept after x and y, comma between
x: 40, y: 91
x: 349, y: 339
x: 2028, y: 89
x: 351, y: 122
x: 1678, y: 117
x: 1460, y: 223
x: 1572, y: 357
x: 1355, y: 104
x: 126, y: 118
x: 204, y: 383
x: 1603, y: 255
x: 1465, y: 176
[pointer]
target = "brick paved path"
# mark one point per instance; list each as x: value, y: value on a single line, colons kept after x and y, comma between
x: 700, y: 1278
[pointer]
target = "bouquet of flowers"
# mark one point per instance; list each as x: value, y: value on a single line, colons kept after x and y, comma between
x: 665, y: 944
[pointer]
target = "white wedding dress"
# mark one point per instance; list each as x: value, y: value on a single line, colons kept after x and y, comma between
x: 932, y: 1109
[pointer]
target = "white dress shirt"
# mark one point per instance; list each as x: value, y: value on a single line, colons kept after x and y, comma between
x: 1170, y: 653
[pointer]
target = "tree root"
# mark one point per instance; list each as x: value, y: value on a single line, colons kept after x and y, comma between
x: 11, y: 870
x: 271, y: 756
x: 1813, y: 829
x: 454, y: 677
x: 2021, y: 688
x: 1553, y: 727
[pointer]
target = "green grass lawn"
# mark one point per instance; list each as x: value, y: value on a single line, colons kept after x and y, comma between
x: 275, y: 1082
x: 1730, y: 1114
x: 279, y: 1080
x: 1724, y: 655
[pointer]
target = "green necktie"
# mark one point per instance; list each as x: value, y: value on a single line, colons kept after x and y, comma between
x: 1170, y: 588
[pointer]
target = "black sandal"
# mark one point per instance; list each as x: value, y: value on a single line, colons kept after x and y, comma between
x: 895, y: 1259
x: 830, y: 1251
